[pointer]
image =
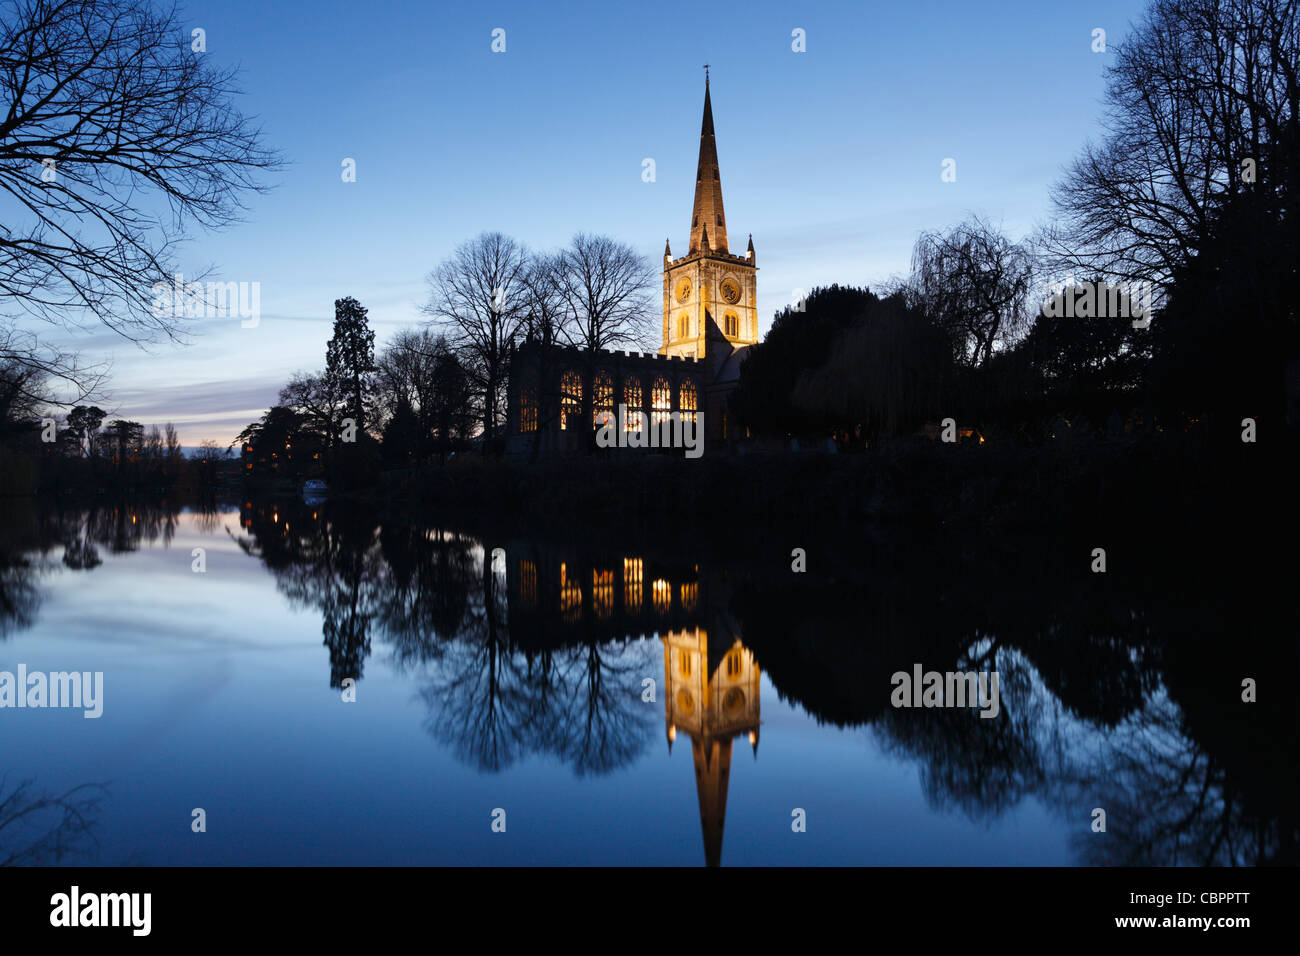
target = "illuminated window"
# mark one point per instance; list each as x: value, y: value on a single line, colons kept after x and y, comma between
x: 570, y: 596
x: 528, y: 583
x: 733, y: 664
x: 684, y: 663
x: 632, y: 577
x: 602, y: 394
x: 602, y: 593
x: 527, y: 410
x: 688, y: 400
x: 662, y: 593
x: 633, y: 399
x: 570, y: 397
x: 661, y: 402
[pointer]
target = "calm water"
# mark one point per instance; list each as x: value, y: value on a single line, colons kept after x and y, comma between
x: 503, y: 671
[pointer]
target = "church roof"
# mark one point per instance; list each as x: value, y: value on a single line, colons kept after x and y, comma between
x: 708, y: 190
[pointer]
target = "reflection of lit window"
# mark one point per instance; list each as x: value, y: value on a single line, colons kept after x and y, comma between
x: 690, y: 591
x: 632, y: 585
x: 632, y: 398
x: 733, y: 664
x: 602, y: 396
x: 684, y: 663
x: 602, y: 593
x: 661, y: 402
x: 570, y: 396
x: 663, y: 595
x: 570, y: 596
x: 528, y: 583
x: 528, y: 410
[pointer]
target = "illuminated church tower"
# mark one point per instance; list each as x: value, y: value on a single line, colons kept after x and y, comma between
x: 712, y: 697
x: 709, y: 293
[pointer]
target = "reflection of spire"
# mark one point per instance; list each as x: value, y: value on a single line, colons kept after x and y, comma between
x: 712, y: 770
x: 711, y: 694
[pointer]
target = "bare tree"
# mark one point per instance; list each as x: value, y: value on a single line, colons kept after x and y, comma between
x: 546, y: 309
x: 606, y: 288
x: 405, y: 370
x: 117, y: 135
x: 605, y: 285
x: 974, y: 282
x: 477, y: 298
x: 321, y: 399
x: 1201, y: 108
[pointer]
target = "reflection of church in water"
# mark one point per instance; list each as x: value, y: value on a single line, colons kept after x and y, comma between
x: 710, y: 689
x: 711, y: 695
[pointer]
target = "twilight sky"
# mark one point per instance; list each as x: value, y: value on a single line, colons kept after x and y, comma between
x: 831, y: 157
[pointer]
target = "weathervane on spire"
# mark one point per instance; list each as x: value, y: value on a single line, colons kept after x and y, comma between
x: 706, y: 74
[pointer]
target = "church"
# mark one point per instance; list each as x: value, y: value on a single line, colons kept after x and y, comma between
x: 710, y: 319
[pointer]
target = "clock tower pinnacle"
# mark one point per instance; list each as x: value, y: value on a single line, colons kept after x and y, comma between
x: 709, y: 293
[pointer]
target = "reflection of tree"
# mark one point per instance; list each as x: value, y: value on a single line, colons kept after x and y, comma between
x: 983, y: 765
x: 40, y: 829
x: 478, y: 699
x: 426, y: 598
x: 494, y: 701
x: 19, y: 597
x: 1169, y: 801
x: 608, y: 725
x: 332, y: 565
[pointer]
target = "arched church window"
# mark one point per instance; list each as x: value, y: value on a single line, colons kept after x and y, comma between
x: 684, y: 326
x: 731, y: 324
x: 528, y: 410
x: 634, y: 401
x: 570, y: 397
x: 688, y: 400
x: 661, y: 593
x: 602, y: 593
x: 661, y: 402
x: 633, y: 574
x: 602, y: 393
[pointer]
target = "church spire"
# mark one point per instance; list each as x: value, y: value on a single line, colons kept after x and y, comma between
x: 708, y: 189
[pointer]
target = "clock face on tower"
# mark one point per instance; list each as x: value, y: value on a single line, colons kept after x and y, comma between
x: 683, y: 290
x: 730, y: 291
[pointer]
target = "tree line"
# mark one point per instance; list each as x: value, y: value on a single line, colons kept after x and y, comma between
x: 435, y: 390
x: 1188, y: 197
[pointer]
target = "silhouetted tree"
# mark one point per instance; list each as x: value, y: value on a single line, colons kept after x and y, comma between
x: 477, y: 298
x: 350, y: 356
x: 975, y: 283
x: 112, y: 119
